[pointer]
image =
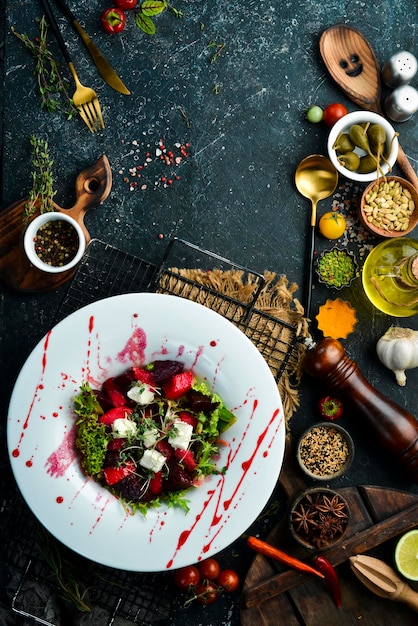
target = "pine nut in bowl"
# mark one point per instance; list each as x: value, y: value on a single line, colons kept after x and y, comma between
x: 389, y: 207
x: 354, y: 162
x: 54, y: 242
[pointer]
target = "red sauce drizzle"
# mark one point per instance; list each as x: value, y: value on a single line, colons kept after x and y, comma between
x: 60, y: 460
x: 134, y: 350
x: 59, y: 499
x: 39, y: 387
x: 218, y: 515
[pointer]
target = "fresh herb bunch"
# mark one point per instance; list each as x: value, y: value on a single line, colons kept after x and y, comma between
x: 52, y: 87
x: 149, y: 9
x: 42, y: 193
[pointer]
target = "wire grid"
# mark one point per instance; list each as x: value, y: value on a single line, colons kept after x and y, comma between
x: 145, y: 599
x: 105, y: 271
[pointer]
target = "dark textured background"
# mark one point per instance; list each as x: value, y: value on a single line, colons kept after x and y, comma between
x: 235, y: 196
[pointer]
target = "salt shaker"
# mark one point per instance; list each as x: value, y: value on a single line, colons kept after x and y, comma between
x: 400, y: 69
x: 402, y: 103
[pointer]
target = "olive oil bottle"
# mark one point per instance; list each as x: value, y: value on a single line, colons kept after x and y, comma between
x: 390, y: 277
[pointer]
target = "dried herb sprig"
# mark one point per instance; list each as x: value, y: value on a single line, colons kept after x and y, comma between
x: 52, y: 87
x: 42, y: 192
x: 62, y: 572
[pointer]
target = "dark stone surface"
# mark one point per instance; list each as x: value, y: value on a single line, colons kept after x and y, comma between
x: 235, y: 195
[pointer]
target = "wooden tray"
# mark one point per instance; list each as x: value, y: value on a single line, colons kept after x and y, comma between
x: 378, y: 516
x: 92, y: 188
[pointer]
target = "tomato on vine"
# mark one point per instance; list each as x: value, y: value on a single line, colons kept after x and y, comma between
x: 228, y: 579
x: 209, y: 569
x: 186, y: 578
x: 207, y: 592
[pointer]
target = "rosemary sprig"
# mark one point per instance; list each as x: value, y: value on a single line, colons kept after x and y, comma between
x: 51, y: 85
x: 42, y: 192
x: 62, y: 572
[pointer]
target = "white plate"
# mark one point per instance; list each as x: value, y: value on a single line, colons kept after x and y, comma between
x: 102, y: 340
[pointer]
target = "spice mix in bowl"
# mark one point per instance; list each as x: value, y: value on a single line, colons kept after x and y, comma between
x: 336, y: 268
x: 325, y: 451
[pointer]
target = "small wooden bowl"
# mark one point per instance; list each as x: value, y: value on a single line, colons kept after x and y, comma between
x: 390, y: 231
x: 321, y: 442
x: 308, y: 518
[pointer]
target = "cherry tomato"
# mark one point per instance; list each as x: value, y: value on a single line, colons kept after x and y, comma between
x: 186, y: 577
x: 314, y: 114
x: 207, y: 592
x: 228, y: 579
x: 209, y: 569
x: 334, y: 112
x: 113, y: 21
x: 125, y: 5
x: 332, y: 225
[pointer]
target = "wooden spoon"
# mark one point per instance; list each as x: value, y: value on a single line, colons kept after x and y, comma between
x: 352, y: 63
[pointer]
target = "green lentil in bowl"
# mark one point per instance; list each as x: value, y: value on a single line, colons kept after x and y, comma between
x: 336, y: 268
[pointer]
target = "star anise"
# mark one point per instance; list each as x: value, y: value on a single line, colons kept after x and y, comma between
x: 333, y: 505
x: 303, y: 518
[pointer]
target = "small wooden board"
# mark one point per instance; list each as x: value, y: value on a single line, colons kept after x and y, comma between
x: 378, y: 517
x: 92, y: 187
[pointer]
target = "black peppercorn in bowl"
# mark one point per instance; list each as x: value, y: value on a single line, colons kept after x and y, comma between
x: 318, y: 518
x: 54, y: 242
x: 325, y: 451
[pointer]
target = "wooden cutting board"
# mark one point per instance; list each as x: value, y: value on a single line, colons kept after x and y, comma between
x: 378, y: 517
x: 92, y: 187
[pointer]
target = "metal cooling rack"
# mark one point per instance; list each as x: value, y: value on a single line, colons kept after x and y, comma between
x: 140, y: 598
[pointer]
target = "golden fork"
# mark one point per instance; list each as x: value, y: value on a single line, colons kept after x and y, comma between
x: 85, y: 99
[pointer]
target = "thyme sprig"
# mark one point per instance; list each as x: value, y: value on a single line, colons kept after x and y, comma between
x: 52, y: 86
x: 42, y: 192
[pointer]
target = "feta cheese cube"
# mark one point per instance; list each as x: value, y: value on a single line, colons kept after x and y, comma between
x: 142, y: 394
x: 152, y: 460
x: 123, y: 427
x: 183, y: 435
x: 150, y: 437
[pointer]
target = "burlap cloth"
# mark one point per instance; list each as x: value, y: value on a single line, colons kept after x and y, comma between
x: 276, y: 300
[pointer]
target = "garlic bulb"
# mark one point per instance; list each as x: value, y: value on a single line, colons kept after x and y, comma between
x: 397, y: 349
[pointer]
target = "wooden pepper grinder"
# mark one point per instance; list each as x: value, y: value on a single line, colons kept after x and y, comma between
x: 395, y: 430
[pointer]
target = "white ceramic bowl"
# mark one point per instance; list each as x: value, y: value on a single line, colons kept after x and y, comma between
x: 359, y: 117
x: 104, y: 339
x: 30, y: 236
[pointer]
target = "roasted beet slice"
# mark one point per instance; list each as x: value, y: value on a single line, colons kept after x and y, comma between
x: 124, y: 381
x: 112, y: 458
x: 164, y: 370
x: 133, y: 489
x: 103, y: 400
x: 200, y: 403
x: 178, y: 478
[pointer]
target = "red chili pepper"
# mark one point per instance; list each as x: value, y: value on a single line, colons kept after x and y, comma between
x: 331, y: 577
x: 330, y: 408
x: 264, y: 548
